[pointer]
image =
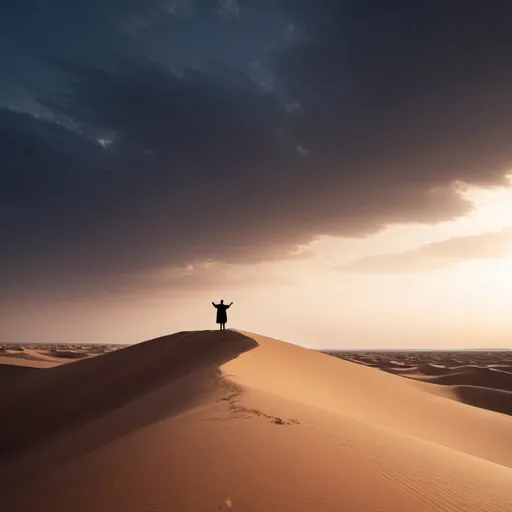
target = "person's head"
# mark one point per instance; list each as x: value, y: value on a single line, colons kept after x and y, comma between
x: 221, y: 301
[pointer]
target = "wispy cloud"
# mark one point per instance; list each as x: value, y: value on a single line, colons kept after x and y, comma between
x: 437, y: 255
x: 228, y: 8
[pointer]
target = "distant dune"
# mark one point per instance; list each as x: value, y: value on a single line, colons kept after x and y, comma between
x: 492, y: 399
x: 217, y: 421
x: 480, y: 382
x: 27, y: 357
x: 483, y: 377
x: 42, y: 356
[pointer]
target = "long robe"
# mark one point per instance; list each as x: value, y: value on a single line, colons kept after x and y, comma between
x: 222, y: 316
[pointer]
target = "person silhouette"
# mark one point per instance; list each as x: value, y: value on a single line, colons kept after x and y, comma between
x: 222, y: 316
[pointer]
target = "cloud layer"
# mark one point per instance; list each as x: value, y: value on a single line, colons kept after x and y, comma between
x: 361, y: 116
x: 438, y: 255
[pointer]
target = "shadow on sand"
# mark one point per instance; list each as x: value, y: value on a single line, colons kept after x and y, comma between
x: 47, y: 405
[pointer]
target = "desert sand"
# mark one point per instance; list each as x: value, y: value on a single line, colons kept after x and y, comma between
x: 46, y: 356
x: 216, y: 421
x: 479, y: 378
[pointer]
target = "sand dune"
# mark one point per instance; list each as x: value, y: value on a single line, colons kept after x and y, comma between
x: 33, y: 358
x: 496, y: 400
x: 433, y: 369
x: 67, y: 354
x: 212, y: 421
x: 408, y: 370
x: 485, y: 385
x: 502, y: 368
x: 482, y: 377
x: 47, y: 356
x: 9, y: 373
x: 47, y: 402
x: 492, y: 399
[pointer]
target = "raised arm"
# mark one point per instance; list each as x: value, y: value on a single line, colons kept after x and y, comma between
x: 214, y: 305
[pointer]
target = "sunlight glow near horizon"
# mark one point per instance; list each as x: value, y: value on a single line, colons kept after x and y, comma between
x: 306, y: 301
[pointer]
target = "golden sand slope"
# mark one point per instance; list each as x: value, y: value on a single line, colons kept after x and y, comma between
x: 211, y: 421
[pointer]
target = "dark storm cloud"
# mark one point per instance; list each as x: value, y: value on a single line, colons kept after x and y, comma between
x: 362, y: 115
x: 438, y: 255
x: 407, y: 92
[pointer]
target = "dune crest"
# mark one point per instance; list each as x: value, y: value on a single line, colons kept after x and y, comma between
x: 49, y: 401
x: 364, y: 394
x: 210, y: 420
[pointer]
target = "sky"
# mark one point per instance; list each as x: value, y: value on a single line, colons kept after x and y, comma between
x: 340, y: 170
